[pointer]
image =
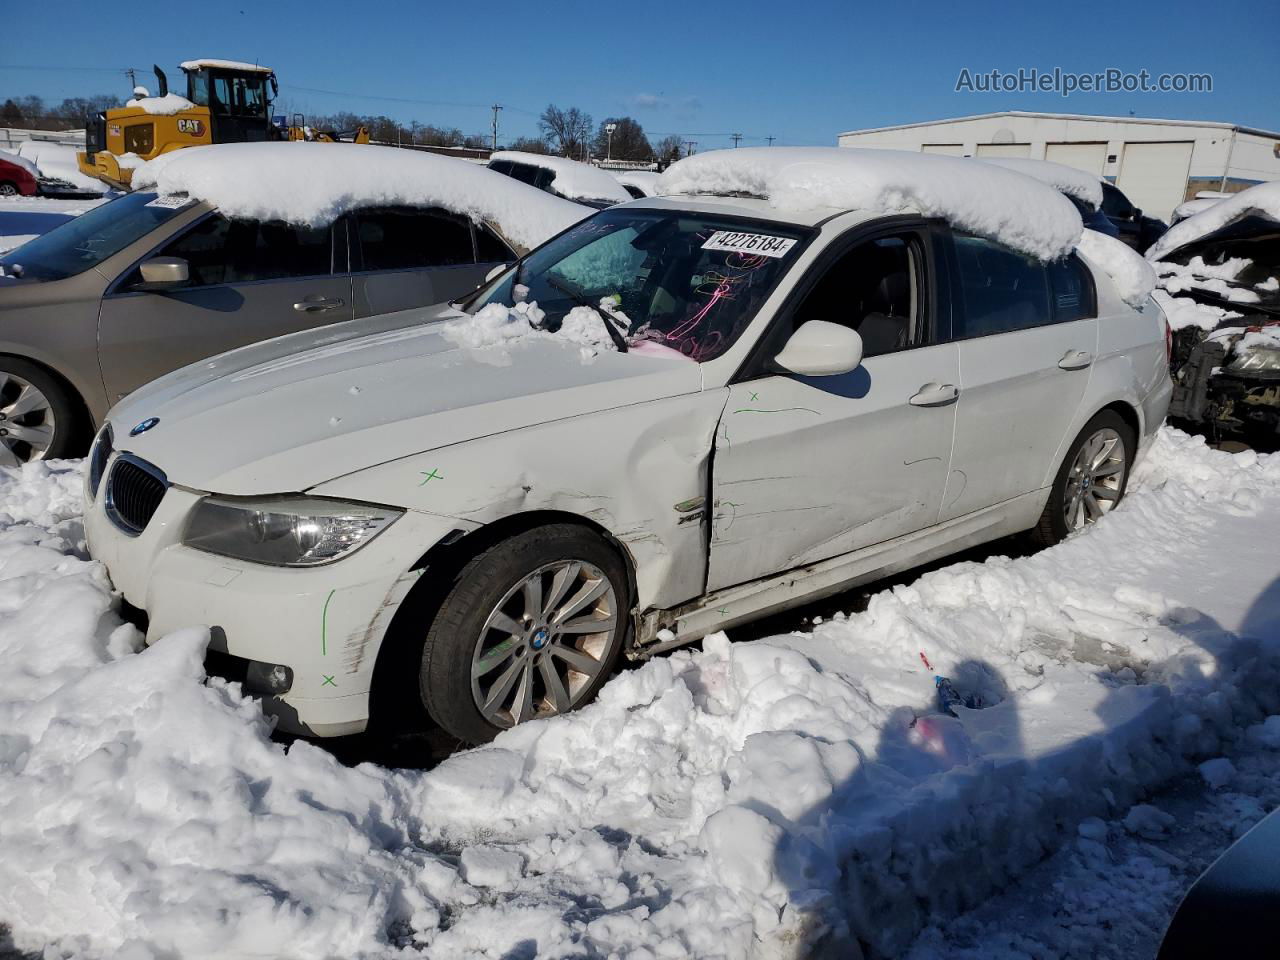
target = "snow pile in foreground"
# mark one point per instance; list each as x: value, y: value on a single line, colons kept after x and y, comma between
x: 1074, y: 183
x: 57, y: 161
x: 314, y: 183
x: 982, y: 198
x: 577, y: 181
x: 1133, y: 276
x: 1262, y: 200
x: 749, y: 800
x: 165, y: 106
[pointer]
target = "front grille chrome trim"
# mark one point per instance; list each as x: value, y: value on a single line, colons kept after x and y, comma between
x: 130, y: 509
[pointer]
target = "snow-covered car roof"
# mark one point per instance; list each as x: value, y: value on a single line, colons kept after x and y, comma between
x: 224, y: 65
x: 1074, y: 183
x: 1260, y: 201
x: 577, y: 181
x: 646, y: 181
x: 982, y: 198
x: 315, y: 183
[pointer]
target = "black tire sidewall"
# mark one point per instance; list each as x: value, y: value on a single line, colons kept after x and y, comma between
x: 67, y: 427
x: 445, y: 675
x: 1057, y: 496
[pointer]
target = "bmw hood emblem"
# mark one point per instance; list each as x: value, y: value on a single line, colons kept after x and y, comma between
x: 144, y: 426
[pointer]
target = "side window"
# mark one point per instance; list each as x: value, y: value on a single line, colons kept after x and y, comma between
x: 405, y: 239
x: 489, y: 246
x: 875, y: 289
x: 1000, y: 291
x: 1074, y: 296
x: 219, y: 250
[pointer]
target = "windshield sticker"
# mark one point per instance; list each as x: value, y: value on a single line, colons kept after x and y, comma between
x: 170, y: 203
x: 761, y: 244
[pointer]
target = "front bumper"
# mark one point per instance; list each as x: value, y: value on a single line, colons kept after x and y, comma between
x: 325, y: 623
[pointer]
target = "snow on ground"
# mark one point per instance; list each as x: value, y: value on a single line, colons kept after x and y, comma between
x: 767, y: 798
x: 983, y: 198
x: 577, y: 181
x: 25, y: 218
x: 317, y: 182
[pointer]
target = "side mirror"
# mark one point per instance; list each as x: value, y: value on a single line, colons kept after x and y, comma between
x: 821, y: 349
x: 163, y: 273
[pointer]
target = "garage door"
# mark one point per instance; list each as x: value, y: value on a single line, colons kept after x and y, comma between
x: 950, y: 149
x: 1004, y: 149
x: 1089, y: 157
x: 1154, y: 175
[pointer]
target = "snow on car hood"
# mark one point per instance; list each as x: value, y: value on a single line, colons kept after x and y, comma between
x: 314, y: 183
x: 1261, y: 201
x: 291, y: 413
x: 577, y: 181
x: 982, y: 198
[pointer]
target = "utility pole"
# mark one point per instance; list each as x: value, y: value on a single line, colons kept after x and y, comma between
x: 689, y: 145
x: 609, y: 128
x: 735, y: 137
x: 771, y: 139
x: 133, y: 82
x: 496, y: 108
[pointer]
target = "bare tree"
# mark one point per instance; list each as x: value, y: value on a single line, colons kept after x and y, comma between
x: 528, y: 145
x: 670, y: 148
x: 629, y: 141
x: 566, y: 130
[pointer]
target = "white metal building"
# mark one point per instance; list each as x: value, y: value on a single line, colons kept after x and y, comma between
x: 1157, y: 163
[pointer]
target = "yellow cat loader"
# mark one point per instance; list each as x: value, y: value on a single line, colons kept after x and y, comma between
x: 226, y: 102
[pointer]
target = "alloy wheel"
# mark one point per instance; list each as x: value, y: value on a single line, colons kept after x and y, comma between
x: 8, y: 190
x: 544, y: 643
x: 26, y: 421
x: 1096, y: 479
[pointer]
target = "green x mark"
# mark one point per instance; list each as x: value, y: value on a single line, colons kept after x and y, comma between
x: 754, y: 398
x: 328, y: 681
x: 433, y: 475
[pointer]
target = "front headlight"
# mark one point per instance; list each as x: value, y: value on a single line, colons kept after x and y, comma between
x: 285, y: 531
x: 1255, y: 360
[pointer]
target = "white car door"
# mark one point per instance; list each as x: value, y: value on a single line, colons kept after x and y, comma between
x: 807, y: 468
x: 1028, y: 336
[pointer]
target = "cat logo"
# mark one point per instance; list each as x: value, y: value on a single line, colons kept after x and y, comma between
x: 194, y: 127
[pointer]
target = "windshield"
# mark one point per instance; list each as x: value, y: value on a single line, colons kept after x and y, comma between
x: 77, y: 245
x: 691, y: 282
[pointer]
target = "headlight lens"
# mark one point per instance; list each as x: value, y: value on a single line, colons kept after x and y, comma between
x: 285, y: 531
x: 99, y: 454
x: 1255, y: 360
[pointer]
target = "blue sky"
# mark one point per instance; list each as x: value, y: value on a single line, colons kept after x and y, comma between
x: 801, y: 72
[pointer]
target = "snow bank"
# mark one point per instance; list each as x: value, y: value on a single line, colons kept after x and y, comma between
x: 1133, y: 276
x: 769, y: 798
x: 978, y: 197
x: 577, y: 181
x: 1074, y: 183
x: 165, y: 106
x: 314, y: 183
x: 1262, y: 200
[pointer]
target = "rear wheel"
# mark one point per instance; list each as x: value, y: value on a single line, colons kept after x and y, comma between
x: 532, y: 627
x: 37, y: 415
x: 8, y: 188
x: 1092, y: 479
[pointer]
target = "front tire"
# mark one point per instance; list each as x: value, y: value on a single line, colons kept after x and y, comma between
x: 1092, y: 479
x: 8, y: 188
x: 37, y: 415
x: 532, y: 627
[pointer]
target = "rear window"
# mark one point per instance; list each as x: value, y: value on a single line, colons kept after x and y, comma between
x: 77, y: 245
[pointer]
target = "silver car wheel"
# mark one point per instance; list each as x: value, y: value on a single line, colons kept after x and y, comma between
x: 544, y: 643
x: 1096, y: 479
x: 8, y: 190
x: 26, y: 421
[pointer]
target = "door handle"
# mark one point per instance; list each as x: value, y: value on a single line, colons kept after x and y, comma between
x: 936, y: 395
x: 318, y: 304
x: 1075, y: 360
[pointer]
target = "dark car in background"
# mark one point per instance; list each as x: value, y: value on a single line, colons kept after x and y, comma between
x: 1132, y: 226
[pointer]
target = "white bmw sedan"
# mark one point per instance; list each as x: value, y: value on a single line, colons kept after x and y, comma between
x: 679, y: 415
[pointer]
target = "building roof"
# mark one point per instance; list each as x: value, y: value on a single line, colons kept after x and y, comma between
x: 1069, y: 116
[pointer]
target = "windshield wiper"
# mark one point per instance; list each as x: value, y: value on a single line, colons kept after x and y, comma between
x: 582, y: 301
